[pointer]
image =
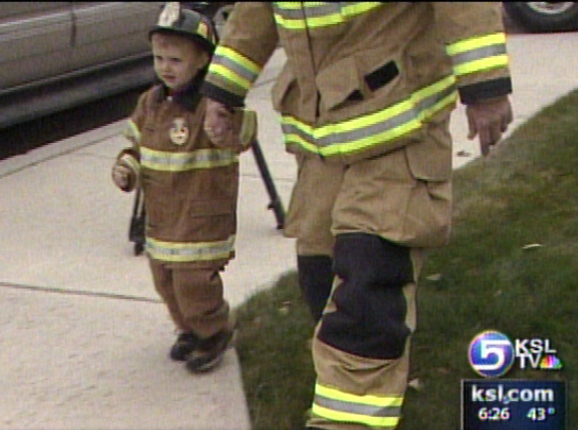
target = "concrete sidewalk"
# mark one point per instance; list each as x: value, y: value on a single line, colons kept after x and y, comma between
x: 83, y: 336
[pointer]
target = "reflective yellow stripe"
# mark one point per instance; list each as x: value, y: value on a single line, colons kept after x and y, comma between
x: 289, y: 24
x: 179, y: 252
x: 298, y: 16
x: 367, y: 399
x: 481, y: 65
x: 422, y: 96
x: 183, y: 161
x: 361, y: 144
x: 234, y: 68
x: 478, y: 54
x: 289, y: 5
x: 359, y: 7
x: 371, y: 410
x: 475, y: 42
x: 383, y: 422
x: 374, y: 129
x: 243, y: 61
x: 131, y: 131
x: 229, y: 75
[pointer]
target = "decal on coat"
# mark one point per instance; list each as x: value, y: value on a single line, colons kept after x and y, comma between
x: 179, y: 132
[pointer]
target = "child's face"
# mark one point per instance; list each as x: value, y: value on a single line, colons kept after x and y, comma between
x: 176, y: 59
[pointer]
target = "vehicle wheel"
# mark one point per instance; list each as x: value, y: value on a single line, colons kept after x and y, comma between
x: 544, y: 16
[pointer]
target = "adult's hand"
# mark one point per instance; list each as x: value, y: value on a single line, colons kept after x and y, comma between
x: 489, y: 119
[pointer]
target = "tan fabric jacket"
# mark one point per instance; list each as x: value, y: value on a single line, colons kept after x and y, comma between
x: 190, y: 186
x: 362, y: 78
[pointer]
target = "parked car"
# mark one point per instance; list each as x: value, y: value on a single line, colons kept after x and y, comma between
x: 544, y: 16
x: 56, y: 55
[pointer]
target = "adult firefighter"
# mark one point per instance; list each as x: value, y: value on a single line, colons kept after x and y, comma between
x: 365, y: 98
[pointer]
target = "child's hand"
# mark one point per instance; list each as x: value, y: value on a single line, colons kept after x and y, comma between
x: 121, y: 176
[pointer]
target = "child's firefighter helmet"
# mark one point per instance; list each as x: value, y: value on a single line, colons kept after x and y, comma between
x: 186, y: 22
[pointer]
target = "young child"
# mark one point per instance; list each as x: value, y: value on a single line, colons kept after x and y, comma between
x: 189, y: 184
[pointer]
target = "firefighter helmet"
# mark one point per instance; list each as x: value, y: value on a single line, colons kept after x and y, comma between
x: 186, y: 22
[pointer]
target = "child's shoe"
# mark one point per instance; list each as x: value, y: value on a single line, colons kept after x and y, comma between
x: 209, y: 352
x: 185, y: 344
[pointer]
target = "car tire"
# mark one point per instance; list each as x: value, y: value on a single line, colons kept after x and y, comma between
x: 544, y: 16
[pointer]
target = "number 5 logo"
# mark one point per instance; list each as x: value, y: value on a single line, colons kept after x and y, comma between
x: 491, y: 354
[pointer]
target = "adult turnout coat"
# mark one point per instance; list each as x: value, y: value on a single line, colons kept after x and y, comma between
x: 363, y: 78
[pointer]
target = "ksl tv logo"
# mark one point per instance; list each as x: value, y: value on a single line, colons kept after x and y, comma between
x: 492, y: 354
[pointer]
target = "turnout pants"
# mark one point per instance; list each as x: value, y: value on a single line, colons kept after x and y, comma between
x: 194, y: 297
x: 361, y: 231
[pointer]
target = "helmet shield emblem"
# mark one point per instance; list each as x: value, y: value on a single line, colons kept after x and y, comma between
x: 170, y: 14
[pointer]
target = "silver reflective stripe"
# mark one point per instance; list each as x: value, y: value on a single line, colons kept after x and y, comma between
x: 297, y: 10
x: 286, y: 12
x: 190, y: 252
x: 374, y: 411
x: 183, y: 161
x: 478, y: 54
x: 425, y: 105
x: 369, y: 130
x: 357, y: 408
x: 317, y: 10
x: 353, y: 135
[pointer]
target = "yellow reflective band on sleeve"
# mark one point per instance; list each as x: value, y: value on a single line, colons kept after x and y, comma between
x: 178, y: 252
x: 131, y: 131
x: 481, y: 65
x: 231, y: 76
x: 475, y: 42
x: 165, y: 161
x: 375, y: 411
x: 241, y: 60
x: 478, y: 54
x: 374, y: 129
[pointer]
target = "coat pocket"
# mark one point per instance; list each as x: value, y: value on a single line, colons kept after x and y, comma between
x: 339, y: 83
x: 383, y: 195
x: 352, y: 80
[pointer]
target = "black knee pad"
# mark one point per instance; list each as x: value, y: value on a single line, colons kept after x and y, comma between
x: 369, y: 320
x: 370, y: 259
x: 315, y: 281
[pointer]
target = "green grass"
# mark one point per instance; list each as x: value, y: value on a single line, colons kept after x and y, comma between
x: 526, y: 193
